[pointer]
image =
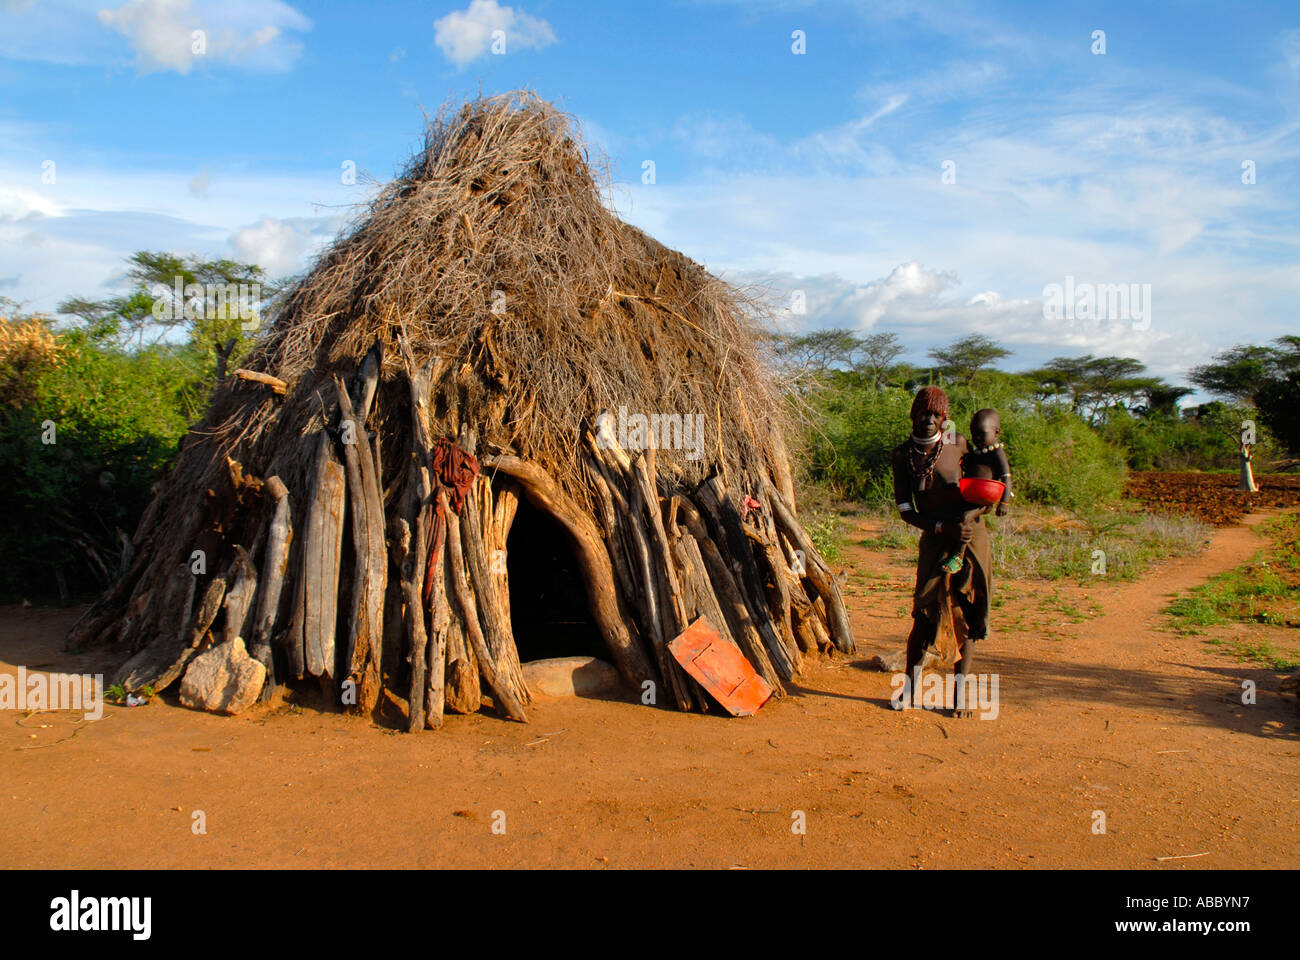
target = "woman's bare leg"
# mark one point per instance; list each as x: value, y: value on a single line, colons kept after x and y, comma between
x: 919, y: 641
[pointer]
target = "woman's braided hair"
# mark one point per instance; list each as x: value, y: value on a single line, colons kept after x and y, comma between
x: 930, y: 400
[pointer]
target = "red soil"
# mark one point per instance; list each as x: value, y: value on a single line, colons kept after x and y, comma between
x: 1113, y: 715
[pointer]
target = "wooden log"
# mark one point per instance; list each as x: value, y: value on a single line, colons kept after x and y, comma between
x: 310, y: 638
x: 435, y: 684
x: 462, y: 692
x: 593, y: 561
x: 167, y: 647
x: 137, y: 609
x: 674, y: 615
x: 462, y: 683
x: 395, y: 646
x: 365, y: 629
x: 712, y: 497
x: 275, y: 562
x: 409, y: 551
x: 238, y: 603
x: 818, y: 574
x: 778, y: 575
x: 660, y: 618
x: 613, y: 542
x: 196, y: 629
x: 506, y: 702
x: 805, y: 620
x: 148, y: 518
x: 139, y: 587
x: 816, y: 616
x: 494, y: 619
x: 781, y: 473
x: 626, y: 555
x: 277, y: 385
x: 505, y: 503
x: 410, y: 554
x: 650, y: 499
x: 732, y: 601
x: 652, y: 598
x: 496, y: 627
x: 200, y: 623
x: 108, y: 609
x: 369, y: 381
x: 506, y: 506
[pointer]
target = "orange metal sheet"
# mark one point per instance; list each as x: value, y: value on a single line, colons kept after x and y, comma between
x: 720, y: 668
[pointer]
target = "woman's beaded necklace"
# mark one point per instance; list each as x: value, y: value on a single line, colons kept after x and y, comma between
x: 920, y: 461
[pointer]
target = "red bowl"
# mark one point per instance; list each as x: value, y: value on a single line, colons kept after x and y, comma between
x: 982, y: 492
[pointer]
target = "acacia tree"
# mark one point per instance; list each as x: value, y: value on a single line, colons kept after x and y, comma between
x: 1267, y: 377
x: 818, y: 352
x: 213, y: 305
x: 963, y: 359
x: 815, y: 354
x: 880, y: 352
x: 1093, y: 385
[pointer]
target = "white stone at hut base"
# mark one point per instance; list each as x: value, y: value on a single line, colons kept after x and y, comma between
x: 572, y: 677
x: 896, y: 661
x: 225, y: 679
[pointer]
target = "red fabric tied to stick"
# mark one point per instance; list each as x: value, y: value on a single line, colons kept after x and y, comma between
x: 454, y: 468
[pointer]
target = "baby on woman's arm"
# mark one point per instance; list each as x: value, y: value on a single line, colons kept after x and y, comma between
x: 987, y: 458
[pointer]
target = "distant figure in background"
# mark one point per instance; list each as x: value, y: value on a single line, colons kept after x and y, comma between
x: 1247, y: 481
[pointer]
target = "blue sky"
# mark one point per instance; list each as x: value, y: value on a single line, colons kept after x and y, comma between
x: 820, y: 172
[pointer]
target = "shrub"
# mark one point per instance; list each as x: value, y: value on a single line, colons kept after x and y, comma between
x: 115, y: 419
x: 1056, y: 458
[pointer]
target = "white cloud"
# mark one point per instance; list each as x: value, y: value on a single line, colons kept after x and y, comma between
x: 180, y: 34
x: 22, y: 204
x: 199, y: 185
x: 957, y: 80
x: 922, y: 307
x: 719, y: 137
x: 72, y: 238
x: 280, y: 247
x: 465, y: 35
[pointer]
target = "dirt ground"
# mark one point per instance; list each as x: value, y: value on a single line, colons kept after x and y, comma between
x: 1112, y: 714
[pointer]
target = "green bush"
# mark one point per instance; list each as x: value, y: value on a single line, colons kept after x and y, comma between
x: 115, y: 389
x: 115, y: 419
x: 1206, y: 439
x: 1056, y: 458
x: 824, y: 530
x: 855, y: 429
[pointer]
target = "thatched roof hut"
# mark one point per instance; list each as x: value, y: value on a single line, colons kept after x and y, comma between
x: 489, y: 388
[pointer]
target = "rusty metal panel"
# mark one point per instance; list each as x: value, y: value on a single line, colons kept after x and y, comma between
x: 720, y: 668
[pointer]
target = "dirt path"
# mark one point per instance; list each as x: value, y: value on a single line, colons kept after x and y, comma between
x: 1112, y: 715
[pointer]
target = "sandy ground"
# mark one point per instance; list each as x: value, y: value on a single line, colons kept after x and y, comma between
x: 1114, y: 714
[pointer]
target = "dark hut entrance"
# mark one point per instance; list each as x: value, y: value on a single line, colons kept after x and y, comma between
x: 549, y: 612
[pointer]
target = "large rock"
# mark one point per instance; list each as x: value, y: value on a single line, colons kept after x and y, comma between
x: 896, y: 662
x: 572, y: 677
x: 225, y: 679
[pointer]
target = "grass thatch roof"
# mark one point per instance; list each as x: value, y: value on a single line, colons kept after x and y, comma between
x: 499, y: 212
